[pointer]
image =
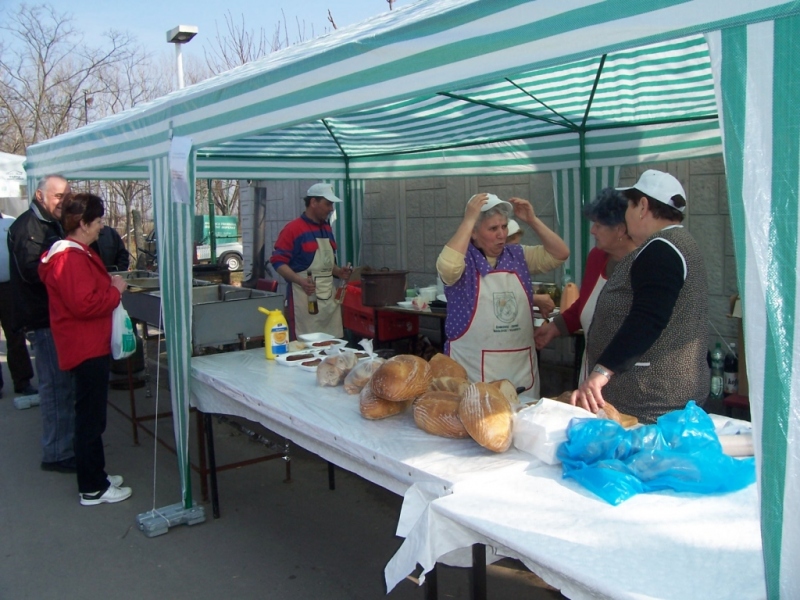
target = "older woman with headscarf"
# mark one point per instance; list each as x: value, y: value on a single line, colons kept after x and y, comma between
x: 612, y: 244
x: 489, y: 292
x: 648, y: 340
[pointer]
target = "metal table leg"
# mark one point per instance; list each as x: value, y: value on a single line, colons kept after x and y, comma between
x: 478, y: 572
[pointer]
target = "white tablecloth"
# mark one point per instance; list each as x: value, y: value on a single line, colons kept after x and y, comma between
x: 393, y: 453
x: 662, y: 545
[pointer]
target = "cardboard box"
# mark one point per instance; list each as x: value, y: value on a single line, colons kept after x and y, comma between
x: 736, y: 313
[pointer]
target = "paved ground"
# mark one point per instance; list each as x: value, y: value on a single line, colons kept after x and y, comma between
x: 274, y: 540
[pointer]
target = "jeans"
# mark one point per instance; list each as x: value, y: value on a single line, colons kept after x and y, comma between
x: 56, y: 400
x: 91, y: 400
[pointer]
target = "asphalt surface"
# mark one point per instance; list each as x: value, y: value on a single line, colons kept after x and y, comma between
x: 273, y: 540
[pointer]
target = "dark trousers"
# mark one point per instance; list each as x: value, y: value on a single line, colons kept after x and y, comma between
x: 91, y: 397
x: 19, y: 361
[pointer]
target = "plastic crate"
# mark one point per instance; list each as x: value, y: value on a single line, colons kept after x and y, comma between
x: 382, y: 326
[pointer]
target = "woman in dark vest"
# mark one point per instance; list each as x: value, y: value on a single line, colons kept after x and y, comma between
x: 648, y: 340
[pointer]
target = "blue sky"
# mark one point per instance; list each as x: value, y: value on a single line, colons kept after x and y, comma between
x: 149, y: 20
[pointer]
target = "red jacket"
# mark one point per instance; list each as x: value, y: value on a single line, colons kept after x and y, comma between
x: 81, y: 302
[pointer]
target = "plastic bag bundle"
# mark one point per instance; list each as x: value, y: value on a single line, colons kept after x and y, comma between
x: 680, y: 452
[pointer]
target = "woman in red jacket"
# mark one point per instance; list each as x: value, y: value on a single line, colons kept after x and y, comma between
x: 612, y: 243
x: 82, y: 298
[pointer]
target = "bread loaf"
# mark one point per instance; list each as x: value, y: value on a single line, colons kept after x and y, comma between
x: 374, y: 408
x: 333, y: 369
x: 403, y: 377
x: 444, y: 366
x: 487, y: 416
x: 456, y: 385
x: 437, y: 413
x: 360, y: 375
x: 507, y: 389
x: 609, y: 412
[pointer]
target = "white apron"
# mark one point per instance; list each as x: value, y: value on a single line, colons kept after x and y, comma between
x: 587, y: 314
x: 329, y: 318
x: 498, y: 344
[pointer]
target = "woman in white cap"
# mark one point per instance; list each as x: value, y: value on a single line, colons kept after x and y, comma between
x: 648, y: 340
x: 489, y: 292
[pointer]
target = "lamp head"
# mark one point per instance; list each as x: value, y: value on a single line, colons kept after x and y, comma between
x: 181, y: 34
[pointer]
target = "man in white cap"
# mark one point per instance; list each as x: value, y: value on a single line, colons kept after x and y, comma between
x: 649, y: 336
x: 489, y: 291
x: 304, y: 256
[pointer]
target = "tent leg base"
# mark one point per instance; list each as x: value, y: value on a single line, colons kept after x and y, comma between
x: 158, y: 521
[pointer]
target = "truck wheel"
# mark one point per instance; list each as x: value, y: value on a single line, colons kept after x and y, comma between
x: 232, y: 261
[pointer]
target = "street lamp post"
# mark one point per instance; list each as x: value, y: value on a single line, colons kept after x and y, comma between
x: 180, y: 35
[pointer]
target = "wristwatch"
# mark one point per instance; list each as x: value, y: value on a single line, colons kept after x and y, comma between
x: 602, y: 370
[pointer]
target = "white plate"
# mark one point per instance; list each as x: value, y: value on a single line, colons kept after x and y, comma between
x: 336, y: 342
x: 283, y: 359
x: 315, y: 337
x: 406, y: 304
x: 441, y: 298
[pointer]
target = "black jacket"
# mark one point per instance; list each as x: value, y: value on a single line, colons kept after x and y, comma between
x: 111, y: 249
x: 30, y: 236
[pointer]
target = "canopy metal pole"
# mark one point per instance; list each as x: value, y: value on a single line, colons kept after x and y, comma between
x: 212, y: 229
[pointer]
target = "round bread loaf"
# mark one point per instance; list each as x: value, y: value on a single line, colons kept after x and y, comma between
x: 444, y: 366
x: 403, y: 377
x: 375, y: 408
x: 487, y: 416
x: 456, y: 385
x: 437, y: 413
x: 507, y: 389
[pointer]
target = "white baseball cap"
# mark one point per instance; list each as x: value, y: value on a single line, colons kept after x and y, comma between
x: 513, y: 227
x: 493, y: 201
x: 661, y: 186
x: 322, y: 190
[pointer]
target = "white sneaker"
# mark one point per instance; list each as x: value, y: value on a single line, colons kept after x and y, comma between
x: 115, y: 480
x: 111, y: 495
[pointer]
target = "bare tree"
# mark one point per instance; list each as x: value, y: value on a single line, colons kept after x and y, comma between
x: 45, y: 67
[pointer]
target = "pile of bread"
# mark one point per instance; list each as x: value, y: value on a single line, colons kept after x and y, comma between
x: 443, y: 400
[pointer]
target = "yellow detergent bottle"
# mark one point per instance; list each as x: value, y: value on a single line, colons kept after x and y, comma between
x: 276, y: 333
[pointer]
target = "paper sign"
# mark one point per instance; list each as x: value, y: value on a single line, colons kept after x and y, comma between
x: 178, y: 168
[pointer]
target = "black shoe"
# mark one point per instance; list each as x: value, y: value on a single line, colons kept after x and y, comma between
x: 62, y: 466
x: 28, y: 390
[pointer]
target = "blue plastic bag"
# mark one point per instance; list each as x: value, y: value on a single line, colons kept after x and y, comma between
x: 680, y: 452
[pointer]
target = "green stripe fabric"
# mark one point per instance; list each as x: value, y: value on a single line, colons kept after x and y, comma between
x: 173, y: 221
x: 759, y: 77
x: 572, y: 227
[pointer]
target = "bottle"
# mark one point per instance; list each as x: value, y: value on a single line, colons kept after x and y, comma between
x: 341, y: 291
x: 570, y: 292
x: 276, y: 333
x: 717, y: 373
x: 313, y: 305
x: 731, y: 370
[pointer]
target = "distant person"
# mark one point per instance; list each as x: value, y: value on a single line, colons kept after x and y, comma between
x: 30, y: 236
x: 19, y: 361
x: 543, y: 302
x: 112, y: 250
x: 306, y: 245
x: 82, y: 298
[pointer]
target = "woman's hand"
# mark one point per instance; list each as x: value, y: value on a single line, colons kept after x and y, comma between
x: 119, y: 283
x: 544, y: 303
x: 545, y: 334
x: 589, y: 394
x: 523, y: 210
x: 474, y: 206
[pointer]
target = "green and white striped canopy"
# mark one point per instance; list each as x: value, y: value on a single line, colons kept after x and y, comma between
x: 463, y: 87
